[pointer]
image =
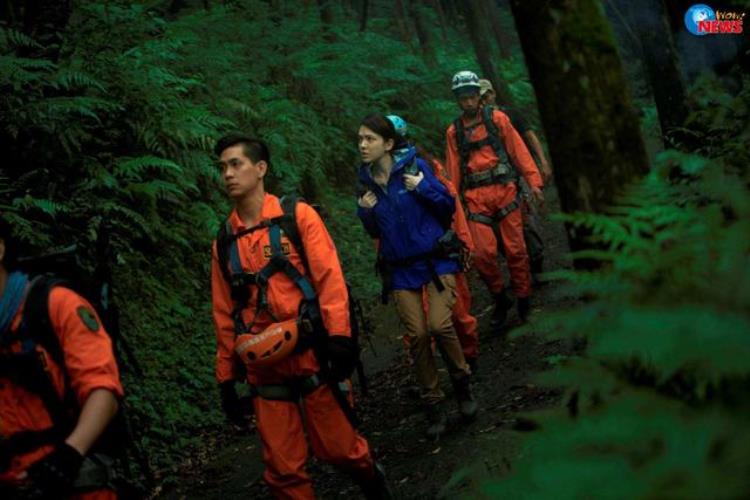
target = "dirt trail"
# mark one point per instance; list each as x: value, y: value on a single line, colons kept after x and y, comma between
x: 393, y: 423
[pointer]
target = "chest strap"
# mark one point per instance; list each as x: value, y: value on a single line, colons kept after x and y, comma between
x: 503, y: 173
x: 294, y: 390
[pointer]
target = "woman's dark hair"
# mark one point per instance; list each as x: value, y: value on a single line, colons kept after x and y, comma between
x: 11, y: 248
x: 382, y: 126
x: 255, y: 149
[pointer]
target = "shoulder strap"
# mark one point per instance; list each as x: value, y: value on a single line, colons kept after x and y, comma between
x: 288, y: 223
x: 223, y: 242
x: 493, y: 134
x: 36, y: 325
x: 463, y: 147
x: 36, y: 329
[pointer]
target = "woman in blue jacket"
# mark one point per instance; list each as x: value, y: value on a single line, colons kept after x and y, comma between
x: 409, y: 210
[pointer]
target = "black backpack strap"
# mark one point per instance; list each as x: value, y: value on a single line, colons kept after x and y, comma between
x: 288, y: 223
x: 223, y: 240
x: 493, y: 134
x: 36, y: 329
x: 464, y: 151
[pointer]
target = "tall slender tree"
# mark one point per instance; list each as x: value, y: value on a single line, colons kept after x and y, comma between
x: 418, y: 11
x: 648, y: 21
x: 494, y: 16
x: 479, y: 33
x: 593, y: 132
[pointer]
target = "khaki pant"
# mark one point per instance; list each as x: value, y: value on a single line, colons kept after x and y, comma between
x: 437, y: 324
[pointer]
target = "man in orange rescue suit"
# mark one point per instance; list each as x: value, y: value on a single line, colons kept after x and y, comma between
x: 484, y: 157
x: 283, y: 311
x: 57, y: 394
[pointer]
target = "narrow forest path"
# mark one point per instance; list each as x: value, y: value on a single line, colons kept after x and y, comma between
x: 393, y: 423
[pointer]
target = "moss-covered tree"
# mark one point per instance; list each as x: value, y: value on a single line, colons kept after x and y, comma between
x: 592, y: 130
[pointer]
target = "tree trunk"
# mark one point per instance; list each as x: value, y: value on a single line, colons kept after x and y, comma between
x: 441, y: 18
x: 451, y: 11
x: 660, y: 62
x: 494, y: 17
x: 417, y: 13
x: 479, y: 34
x: 402, y: 24
x: 363, y: 19
x: 592, y: 130
x: 325, y: 8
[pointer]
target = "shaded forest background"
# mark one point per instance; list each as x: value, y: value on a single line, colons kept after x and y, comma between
x: 111, y: 108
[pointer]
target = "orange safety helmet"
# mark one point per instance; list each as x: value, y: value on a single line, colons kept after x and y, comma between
x: 269, y: 346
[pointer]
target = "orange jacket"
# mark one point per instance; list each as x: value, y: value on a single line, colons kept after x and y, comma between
x: 89, y: 364
x: 489, y: 199
x: 460, y: 224
x: 283, y: 295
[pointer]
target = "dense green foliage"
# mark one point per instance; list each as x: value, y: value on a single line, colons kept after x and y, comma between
x: 117, y: 124
x: 657, y: 405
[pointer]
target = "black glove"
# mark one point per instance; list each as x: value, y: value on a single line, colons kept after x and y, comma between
x: 53, y: 476
x: 342, y: 357
x: 231, y: 404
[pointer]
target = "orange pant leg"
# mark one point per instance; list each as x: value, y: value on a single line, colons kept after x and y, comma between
x: 485, y: 256
x: 333, y: 438
x: 511, y: 229
x: 284, y: 449
x: 103, y: 494
x: 463, y: 321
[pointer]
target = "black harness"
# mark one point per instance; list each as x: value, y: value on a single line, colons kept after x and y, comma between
x: 502, y: 173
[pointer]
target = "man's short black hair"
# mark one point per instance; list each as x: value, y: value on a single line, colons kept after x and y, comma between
x: 255, y: 149
x: 11, y: 248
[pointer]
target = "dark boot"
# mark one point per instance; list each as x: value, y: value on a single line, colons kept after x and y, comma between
x: 377, y: 488
x: 473, y: 365
x: 502, y: 304
x: 467, y: 406
x: 524, y: 308
x: 437, y: 420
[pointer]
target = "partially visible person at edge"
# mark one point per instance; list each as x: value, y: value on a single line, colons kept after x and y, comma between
x: 292, y: 390
x: 530, y: 210
x: 521, y: 124
x: 463, y: 321
x: 38, y: 458
x: 409, y: 213
x: 489, y: 192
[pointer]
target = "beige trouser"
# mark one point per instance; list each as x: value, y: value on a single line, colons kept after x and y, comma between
x: 437, y: 324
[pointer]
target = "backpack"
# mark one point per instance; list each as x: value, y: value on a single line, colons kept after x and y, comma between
x: 27, y: 368
x: 228, y: 256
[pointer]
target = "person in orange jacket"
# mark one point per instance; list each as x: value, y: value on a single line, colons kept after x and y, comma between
x: 532, y: 224
x: 293, y: 389
x: 484, y: 167
x: 43, y: 452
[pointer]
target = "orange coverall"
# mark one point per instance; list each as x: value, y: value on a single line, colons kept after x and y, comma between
x: 89, y: 364
x: 332, y: 437
x: 488, y: 200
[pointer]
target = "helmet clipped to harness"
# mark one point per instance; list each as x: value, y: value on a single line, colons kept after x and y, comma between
x: 465, y: 82
x: 269, y: 346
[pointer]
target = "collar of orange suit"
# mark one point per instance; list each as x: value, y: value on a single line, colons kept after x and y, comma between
x: 12, y: 298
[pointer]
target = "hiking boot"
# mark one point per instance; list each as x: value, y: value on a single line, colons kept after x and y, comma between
x: 377, y: 488
x: 467, y: 406
x: 473, y: 365
x: 437, y: 420
x: 502, y: 304
x: 524, y: 308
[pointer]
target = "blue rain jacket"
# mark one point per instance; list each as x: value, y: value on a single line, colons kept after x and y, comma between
x: 407, y: 223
